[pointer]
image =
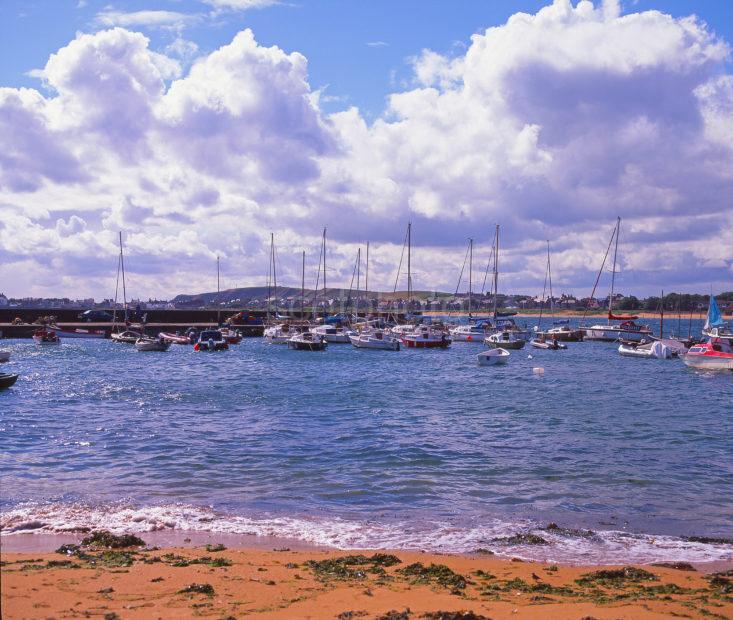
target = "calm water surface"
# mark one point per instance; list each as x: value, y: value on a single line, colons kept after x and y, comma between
x: 420, y: 449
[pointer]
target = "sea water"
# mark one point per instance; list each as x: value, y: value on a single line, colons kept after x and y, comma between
x: 416, y: 449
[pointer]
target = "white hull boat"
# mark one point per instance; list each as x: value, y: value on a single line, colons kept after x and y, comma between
x: 307, y: 341
x: 505, y: 340
x: 152, y: 344
x: 651, y: 350
x: 376, y: 340
x: 468, y: 333
x: 333, y: 335
x: 493, y: 357
x: 550, y: 345
x: 79, y: 333
x: 611, y: 333
x: 126, y: 337
x: 278, y: 334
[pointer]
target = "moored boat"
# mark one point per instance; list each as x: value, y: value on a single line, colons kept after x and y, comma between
x: 126, y: 337
x: 69, y: 332
x: 279, y: 334
x: 211, y: 340
x: 647, y: 350
x: 717, y: 352
x: 333, y: 334
x: 152, y: 344
x: 175, y: 338
x: 46, y: 336
x: 564, y: 333
x: 427, y: 337
x: 4, y: 356
x: 543, y: 342
x: 307, y: 341
x: 375, y: 339
x: 231, y: 336
x: 505, y: 340
x: 7, y: 380
x: 468, y: 333
x: 628, y: 330
x: 493, y: 357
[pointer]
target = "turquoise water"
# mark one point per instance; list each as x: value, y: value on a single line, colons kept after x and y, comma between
x: 352, y: 448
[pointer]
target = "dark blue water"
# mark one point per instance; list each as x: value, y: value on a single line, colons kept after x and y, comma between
x: 368, y: 448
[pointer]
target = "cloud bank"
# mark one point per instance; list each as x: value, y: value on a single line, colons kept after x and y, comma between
x: 551, y: 125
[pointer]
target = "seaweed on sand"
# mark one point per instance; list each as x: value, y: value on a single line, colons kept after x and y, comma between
x: 435, y: 573
x: 108, y: 540
x: 453, y: 615
x: 676, y: 565
x: 616, y: 578
x: 215, y: 548
x: 198, y: 588
x: 343, y: 567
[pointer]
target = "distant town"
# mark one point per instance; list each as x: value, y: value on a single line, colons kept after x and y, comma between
x: 259, y: 298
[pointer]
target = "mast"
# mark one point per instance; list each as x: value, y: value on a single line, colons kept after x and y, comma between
x: 470, y: 275
x: 661, y: 316
x: 613, y: 272
x: 549, y: 277
x: 366, y: 284
x: 409, y: 270
x: 124, y: 289
x: 302, y: 289
x: 544, y: 286
x: 218, y: 302
x: 269, y: 279
x: 325, y: 294
x: 496, y: 267
x: 358, y: 279
x: 117, y: 289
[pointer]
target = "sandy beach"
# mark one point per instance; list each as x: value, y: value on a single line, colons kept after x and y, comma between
x: 113, y: 582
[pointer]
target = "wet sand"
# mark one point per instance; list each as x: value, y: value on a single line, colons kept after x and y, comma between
x: 285, y: 582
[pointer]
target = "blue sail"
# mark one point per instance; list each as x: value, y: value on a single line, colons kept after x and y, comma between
x: 714, y: 317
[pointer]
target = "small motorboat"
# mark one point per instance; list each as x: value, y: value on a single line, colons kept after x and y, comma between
x: 468, y: 333
x: 152, y: 344
x: 7, y: 380
x: 4, y: 356
x: 376, y: 339
x: 211, y: 340
x: 564, y: 333
x: 333, y: 334
x: 493, y: 357
x: 427, y: 337
x: 127, y: 337
x: 46, y: 336
x: 542, y: 342
x: 175, y: 338
x: 715, y: 354
x: 307, y: 341
x: 279, y: 334
x: 505, y: 340
x: 70, y: 332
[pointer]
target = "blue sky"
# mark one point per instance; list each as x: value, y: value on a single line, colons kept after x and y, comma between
x: 187, y: 129
x: 334, y: 35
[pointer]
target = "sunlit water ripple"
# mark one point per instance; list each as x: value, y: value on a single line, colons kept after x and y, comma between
x: 419, y: 449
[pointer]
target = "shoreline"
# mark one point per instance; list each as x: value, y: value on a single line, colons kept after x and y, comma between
x: 284, y: 582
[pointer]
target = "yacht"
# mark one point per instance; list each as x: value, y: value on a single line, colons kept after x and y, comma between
x: 505, y: 340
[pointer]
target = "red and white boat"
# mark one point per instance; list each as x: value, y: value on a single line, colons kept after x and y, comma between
x: 46, y: 336
x: 69, y: 332
x: 715, y: 354
x: 427, y: 337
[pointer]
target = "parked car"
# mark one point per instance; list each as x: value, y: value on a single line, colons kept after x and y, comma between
x: 95, y: 316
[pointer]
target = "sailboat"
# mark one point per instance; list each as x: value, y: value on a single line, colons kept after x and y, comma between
x: 127, y: 336
x: 473, y: 332
x: 330, y: 328
x: 627, y: 329
x: 279, y: 333
x: 542, y: 340
x: 502, y: 321
x: 717, y: 352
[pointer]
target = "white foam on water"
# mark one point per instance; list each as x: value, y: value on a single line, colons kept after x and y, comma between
x: 600, y: 547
